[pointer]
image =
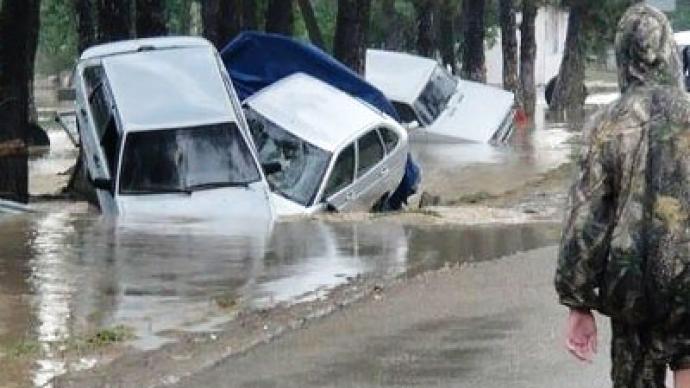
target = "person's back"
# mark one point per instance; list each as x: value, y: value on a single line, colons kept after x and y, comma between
x: 626, y: 240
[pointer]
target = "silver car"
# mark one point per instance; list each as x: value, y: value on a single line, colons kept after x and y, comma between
x: 321, y: 148
x: 163, y: 132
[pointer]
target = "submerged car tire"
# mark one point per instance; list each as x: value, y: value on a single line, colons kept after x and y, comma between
x: 382, y: 204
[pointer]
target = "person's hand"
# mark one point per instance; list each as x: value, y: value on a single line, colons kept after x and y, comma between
x: 581, y: 335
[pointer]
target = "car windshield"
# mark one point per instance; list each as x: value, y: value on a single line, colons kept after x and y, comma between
x: 435, y: 96
x: 302, y: 164
x: 186, y: 160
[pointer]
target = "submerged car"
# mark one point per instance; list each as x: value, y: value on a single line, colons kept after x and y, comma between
x: 162, y: 132
x: 322, y: 148
x: 256, y: 60
x: 436, y: 106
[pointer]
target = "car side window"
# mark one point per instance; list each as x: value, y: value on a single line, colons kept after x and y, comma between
x: 390, y: 138
x: 343, y: 173
x: 99, y: 103
x: 370, y: 152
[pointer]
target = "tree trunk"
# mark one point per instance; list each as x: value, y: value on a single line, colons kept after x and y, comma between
x: 150, y: 18
x: 19, y: 24
x: 86, y: 27
x: 222, y: 20
x: 114, y: 20
x: 569, y: 93
x: 446, y: 36
x: 473, y: 66
x: 249, y: 21
x: 424, y: 10
x: 392, y: 25
x: 350, y: 41
x: 528, y: 55
x: 279, y: 18
x: 310, y: 21
x: 509, y: 45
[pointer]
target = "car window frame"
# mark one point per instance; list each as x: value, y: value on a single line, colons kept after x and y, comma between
x: 369, y: 130
x: 104, y: 85
x: 383, y: 141
x: 322, y: 196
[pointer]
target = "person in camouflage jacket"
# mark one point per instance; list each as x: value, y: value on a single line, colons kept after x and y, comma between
x: 626, y: 241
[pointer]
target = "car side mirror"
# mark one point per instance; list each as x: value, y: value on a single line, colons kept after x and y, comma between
x: 411, y: 126
x: 272, y: 168
x: 102, y: 183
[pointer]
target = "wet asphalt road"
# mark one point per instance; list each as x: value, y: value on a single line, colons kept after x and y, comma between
x: 491, y: 324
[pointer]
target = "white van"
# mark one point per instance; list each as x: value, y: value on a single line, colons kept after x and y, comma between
x: 437, y: 106
x: 163, y: 133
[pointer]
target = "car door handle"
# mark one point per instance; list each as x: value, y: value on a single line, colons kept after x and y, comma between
x: 384, y: 171
x: 351, y: 195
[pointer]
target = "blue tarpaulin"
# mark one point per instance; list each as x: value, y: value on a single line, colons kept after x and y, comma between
x: 255, y: 60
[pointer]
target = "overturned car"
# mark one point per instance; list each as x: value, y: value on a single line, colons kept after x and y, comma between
x: 322, y: 148
x: 163, y: 133
x: 327, y: 107
x: 436, y: 106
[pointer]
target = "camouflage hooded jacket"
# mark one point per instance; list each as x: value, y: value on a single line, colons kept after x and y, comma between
x: 625, y: 243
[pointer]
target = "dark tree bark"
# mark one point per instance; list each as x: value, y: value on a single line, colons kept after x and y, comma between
x: 86, y: 26
x: 352, y: 24
x: 528, y: 55
x: 249, y: 21
x: 473, y: 61
x: 310, y: 21
x: 279, y: 17
x: 19, y: 24
x: 150, y: 18
x: 446, y: 36
x: 222, y: 20
x: 392, y: 25
x: 509, y: 44
x: 569, y: 93
x: 114, y: 20
x: 424, y: 10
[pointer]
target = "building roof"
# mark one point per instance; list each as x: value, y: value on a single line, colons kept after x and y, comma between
x: 159, y: 89
x: 314, y: 110
x: 401, y: 77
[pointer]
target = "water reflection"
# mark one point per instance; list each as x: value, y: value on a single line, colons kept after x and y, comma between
x: 63, y: 275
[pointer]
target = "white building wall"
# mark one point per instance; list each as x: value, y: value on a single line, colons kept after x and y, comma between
x: 550, y: 29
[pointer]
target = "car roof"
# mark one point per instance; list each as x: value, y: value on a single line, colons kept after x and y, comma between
x: 134, y: 45
x: 168, y: 88
x: 400, y: 76
x: 682, y: 38
x: 314, y: 110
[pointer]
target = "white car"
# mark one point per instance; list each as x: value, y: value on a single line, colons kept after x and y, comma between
x: 163, y: 133
x: 322, y: 148
x: 436, y: 106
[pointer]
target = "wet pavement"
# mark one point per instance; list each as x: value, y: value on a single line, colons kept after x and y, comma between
x: 490, y: 324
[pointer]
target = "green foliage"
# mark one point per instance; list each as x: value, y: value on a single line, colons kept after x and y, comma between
x: 681, y: 17
x: 57, y: 44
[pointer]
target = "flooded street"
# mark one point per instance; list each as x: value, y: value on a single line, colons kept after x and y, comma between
x: 67, y: 273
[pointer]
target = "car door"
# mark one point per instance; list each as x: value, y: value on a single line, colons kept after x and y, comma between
x: 100, y: 134
x: 339, y: 191
x: 370, y: 171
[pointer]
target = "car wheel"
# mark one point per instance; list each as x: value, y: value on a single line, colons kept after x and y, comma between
x: 381, y: 205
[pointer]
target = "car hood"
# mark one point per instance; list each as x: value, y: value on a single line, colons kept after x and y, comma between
x: 474, y: 114
x: 250, y: 202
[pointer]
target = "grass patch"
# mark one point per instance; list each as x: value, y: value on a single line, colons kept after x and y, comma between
x: 225, y: 302
x: 110, y: 336
x: 22, y: 349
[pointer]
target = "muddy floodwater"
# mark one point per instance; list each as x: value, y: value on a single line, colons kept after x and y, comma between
x: 66, y: 273
x: 63, y: 275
